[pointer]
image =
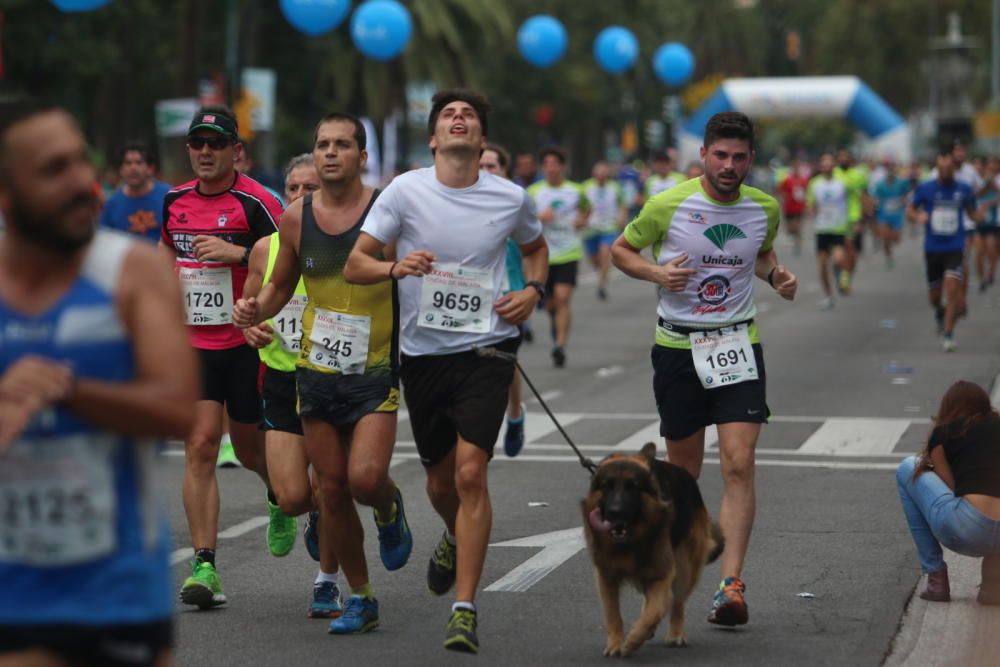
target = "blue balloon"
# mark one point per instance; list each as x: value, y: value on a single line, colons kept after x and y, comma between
x: 616, y: 49
x: 542, y: 40
x: 79, y: 5
x: 381, y: 29
x: 674, y: 64
x: 315, y: 17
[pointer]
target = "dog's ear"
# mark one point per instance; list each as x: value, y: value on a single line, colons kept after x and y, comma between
x: 649, y: 451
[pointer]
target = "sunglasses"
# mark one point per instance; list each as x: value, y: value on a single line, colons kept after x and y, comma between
x: 215, y: 143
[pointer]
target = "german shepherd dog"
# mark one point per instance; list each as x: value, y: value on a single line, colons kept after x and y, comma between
x: 646, y: 524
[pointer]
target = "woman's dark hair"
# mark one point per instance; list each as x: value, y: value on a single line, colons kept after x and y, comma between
x: 964, y: 404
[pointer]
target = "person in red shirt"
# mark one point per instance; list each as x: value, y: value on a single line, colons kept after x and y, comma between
x: 792, y: 193
x: 209, y: 227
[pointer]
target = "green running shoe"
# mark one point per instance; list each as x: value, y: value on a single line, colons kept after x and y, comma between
x: 441, y: 569
x: 227, y: 456
x: 203, y: 588
x: 461, y: 634
x: 281, y: 531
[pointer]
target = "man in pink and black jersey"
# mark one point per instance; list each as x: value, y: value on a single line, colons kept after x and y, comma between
x: 209, y: 227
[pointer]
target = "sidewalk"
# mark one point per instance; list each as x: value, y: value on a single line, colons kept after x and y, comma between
x: 961, y: 632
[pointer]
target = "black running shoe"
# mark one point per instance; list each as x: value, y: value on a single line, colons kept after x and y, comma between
x: 558, y: 357
x: 441, y: 568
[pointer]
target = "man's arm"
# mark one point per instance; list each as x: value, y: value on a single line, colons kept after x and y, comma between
x: 261, y: 306
x: 256, y: 267
x: 160, y: 401
x: 516, y: 307
x: 365, y: 266
x: 629, y: 261
x: 257, y: 336
x: 783, y: 281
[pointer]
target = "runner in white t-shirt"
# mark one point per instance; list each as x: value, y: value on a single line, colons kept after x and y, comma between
x: 710, y: 237
x: 450, y: 224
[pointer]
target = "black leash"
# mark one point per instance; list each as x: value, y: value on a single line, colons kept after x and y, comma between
x: 493, y: 353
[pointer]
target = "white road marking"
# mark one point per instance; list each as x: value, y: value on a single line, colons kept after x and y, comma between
x: 557, y: 547
x: 859, y: 437
x: 547, y: 396
x: 836, y: 436
x: 811, y: 463
x: 181, y: 555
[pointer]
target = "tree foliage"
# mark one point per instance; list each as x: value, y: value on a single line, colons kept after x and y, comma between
x: 110, y: 66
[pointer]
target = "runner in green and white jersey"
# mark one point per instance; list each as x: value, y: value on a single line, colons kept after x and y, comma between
x: 663, y: 177
x: 827, y: 199
x: 710, y: 237
x: 607, y: 215
x: 562, y: 209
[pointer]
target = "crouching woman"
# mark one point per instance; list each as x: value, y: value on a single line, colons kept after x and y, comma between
x: 951, y: 491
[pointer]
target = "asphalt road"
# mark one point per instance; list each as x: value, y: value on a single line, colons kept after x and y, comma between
x: 851, y: 390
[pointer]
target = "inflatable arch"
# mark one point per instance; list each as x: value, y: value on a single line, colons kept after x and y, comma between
x: 819, y: 97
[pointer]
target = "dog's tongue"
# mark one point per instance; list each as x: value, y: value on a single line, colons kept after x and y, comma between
x: 598, y: 522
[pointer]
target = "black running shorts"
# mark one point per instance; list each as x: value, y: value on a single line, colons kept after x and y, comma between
x: 940, y: 264
x: 685, y: 406
x: 454, y: 395
x: 564, y: 274
x: 827, y: 242
x: 230, y: 377
x: 92, y: 646
x: 342, y: 400
x: 278, y: 402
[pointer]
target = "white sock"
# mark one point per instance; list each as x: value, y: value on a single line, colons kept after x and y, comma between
x: 225, y: 439
x: 322, y: 576
x: 468, y: 606
x: 449, y: 538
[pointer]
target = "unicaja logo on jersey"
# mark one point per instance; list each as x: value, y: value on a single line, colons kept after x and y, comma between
x: 722, y: 234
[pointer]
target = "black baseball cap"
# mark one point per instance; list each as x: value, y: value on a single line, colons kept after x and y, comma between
x: 215, y: 121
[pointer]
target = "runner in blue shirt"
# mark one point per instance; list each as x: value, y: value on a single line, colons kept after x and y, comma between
x: 494, y: 160
x: 890, y: 197
x: 137, y: 206
x: 942, y: 206
x: 95, y: 366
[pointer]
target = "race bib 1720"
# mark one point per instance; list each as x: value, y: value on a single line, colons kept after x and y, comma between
x: 208, y: 295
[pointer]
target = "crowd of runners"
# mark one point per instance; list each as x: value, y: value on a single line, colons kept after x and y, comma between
x: 312, y: 314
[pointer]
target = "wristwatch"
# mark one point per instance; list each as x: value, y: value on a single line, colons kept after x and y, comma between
x: 539, y: 287
x: 246, y: 257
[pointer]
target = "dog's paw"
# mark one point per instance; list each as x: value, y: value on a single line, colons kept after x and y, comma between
x: 679, y: 641
x: 629, y: 646
x: 613, y: 649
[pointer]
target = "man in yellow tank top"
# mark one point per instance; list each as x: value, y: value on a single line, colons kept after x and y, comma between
x: 278, y: 342
x: 347, y: 376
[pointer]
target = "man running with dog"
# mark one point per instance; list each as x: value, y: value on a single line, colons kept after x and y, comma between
x: 710, y: 237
